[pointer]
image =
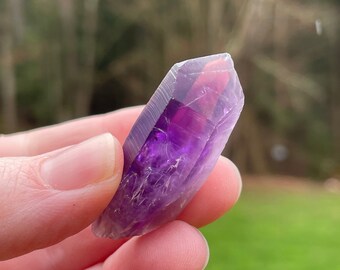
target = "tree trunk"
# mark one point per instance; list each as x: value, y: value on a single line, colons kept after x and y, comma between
x: 280, y: 35
x: 85, y: 79
x: 334, y: 56
x: 70, y: 74
x: 7, y: 74
x: 16, y: 7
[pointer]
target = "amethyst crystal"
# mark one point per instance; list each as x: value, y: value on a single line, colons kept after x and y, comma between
x: 174, y: 145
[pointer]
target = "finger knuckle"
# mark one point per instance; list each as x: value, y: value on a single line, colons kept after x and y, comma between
x: 17, y: 171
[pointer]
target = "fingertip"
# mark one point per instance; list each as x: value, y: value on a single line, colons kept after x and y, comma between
x: 234, y: 175
x: 89, y: 162
x: 176, y: 245
x: 218, y: 195
x: 120, y: 122
x: 74, y: 184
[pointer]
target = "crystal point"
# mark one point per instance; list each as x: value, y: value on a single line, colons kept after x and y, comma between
x: 174, y: 145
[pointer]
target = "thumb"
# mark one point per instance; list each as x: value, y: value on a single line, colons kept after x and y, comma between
x: 46, y: 198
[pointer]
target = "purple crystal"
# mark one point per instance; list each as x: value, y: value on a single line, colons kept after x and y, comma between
x: 174, y: 145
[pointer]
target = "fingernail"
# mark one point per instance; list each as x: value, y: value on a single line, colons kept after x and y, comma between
x: 89, y: 162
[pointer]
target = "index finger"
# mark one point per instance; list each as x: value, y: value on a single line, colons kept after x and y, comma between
x: 47, y: 139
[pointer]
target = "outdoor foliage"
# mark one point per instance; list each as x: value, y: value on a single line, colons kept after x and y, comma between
x: 69, y: 58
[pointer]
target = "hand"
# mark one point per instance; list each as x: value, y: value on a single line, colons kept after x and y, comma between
x: 55, y: 181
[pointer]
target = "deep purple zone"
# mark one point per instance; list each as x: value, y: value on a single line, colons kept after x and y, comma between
x: 175, y: 141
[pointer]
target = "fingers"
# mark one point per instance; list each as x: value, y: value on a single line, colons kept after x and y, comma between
x: 47, y: 139
x: 218, y: 194
x: 45, y: 199
x: 75, y: 252
x: 174, y: 246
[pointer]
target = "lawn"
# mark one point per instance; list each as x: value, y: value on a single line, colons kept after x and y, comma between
x: 274, y: 228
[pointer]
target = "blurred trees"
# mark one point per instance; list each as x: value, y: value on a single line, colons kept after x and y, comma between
x: 68, y: 58
x: 7, y: 75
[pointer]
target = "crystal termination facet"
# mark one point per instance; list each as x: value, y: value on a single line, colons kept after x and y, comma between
x: 174, y: 145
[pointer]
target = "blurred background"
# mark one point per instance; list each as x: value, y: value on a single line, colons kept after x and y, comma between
x: 64, y: 59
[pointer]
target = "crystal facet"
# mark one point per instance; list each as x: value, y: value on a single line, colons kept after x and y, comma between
x: 174, y: 145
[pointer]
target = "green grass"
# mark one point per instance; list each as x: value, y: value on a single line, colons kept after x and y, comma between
x: 275, y: 230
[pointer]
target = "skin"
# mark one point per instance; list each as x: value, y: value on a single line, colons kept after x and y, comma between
x: 46, y: 226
